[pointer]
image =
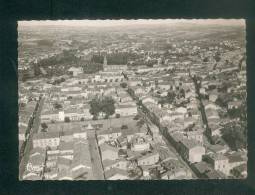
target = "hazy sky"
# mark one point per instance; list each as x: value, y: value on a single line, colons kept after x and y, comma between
x: 102, y: 23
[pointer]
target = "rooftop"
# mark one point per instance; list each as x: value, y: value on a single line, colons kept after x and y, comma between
x: 105, y: 147
x: 46, y: 135
x: 115, y: 171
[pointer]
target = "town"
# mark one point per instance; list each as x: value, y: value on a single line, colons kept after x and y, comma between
x: 136, y: 103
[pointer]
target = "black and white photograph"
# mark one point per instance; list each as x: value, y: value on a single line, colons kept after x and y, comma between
x: 145, y: 99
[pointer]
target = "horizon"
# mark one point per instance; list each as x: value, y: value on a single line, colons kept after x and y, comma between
x: 122, y: 22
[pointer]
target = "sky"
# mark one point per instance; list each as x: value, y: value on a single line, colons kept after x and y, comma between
x: 109, y: 23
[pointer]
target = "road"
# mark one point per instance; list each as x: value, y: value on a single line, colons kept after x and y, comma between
x: 29, y: 143
x: 97, y: 167
x: 172, y: 149
x: 206, y: 137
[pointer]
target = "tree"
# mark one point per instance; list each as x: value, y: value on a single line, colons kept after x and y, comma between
x: 117, y: 115
x: 182, y: 93
x: 235, y: 136
x: 108, y: 106
x: 170, y: 97
x: 57, y: 106
x: 217, y: 57
x: 102, y: 105
x: 22, y: 104
x: 234, y: 112
x: 136, y: 117
x: 140, y: 123
x: 155, y: 174
x: 44, y: 126
x: 67, y: 119
x: 124, y: 127
x: 123, y: 85
x: 95, y: 107
x: 206, y: 59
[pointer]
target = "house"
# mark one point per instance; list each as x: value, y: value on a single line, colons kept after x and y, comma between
x: 75, y: 71
x: 27, y: 175
x: 116, y: 174
x: 234, y: 104
x: 79, y: 134
x: 140, y: 144
x: 213, y: 96
x: 210, y: 105
x: 164, y: 86
x: 213, y: 174
x: 175, y: 170
x: 36, y: 163
x: 44, y: 139
x: 219, y: 162
x: 126, y: 110
x: 190, y: 149
x: 219, y: 149
x: 181, y: 110
x: 52, y: 163
x: 74, y: 114
x: 112, y: 134
x: 51, y: 175
x: 146, y: 170
x: 179, y: 173
x: 212, y: 114
x: 124, y: 97
x: 120, y: 164
x: 65, y: 174
x: 109, y: 152
x: 81, y: 158
x: 50, y: 115
x: 139, y: 90
x: 150, y: 158
x: 66, y: 149
x: 194, y: 135
x: 202, y: 91
x: 215, y: 129
x: 22, y: 132
x: 240, y: 171
x: 63, y: 163
x: 235, y: 159
x: 149, y: 99
x: 201, y: 168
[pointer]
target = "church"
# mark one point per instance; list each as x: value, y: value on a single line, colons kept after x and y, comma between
x: 113, y: 67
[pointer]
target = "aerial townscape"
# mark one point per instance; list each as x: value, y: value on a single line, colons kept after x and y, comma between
x: 132, y: 100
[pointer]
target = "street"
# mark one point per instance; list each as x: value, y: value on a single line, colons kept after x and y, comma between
x: 29, y: 144
x: 97, y: 167
x: 171, y: 148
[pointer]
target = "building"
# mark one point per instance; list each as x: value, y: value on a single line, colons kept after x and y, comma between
x: 219, y: 162
x: 109, y: 152
x: 234, y: 104
x: 140, y: 144
x: 148, y: 159
x: 107, y: 67
x: 126, y: 110
x: 195, y: 135
x: 120, y: 164
x: 31, y: 176
x: 189, y: 149
x: 116, y: 174
x: 81, y: 164
x: 46, y: 139
x: 36, y: 161
x: 75, y: 71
